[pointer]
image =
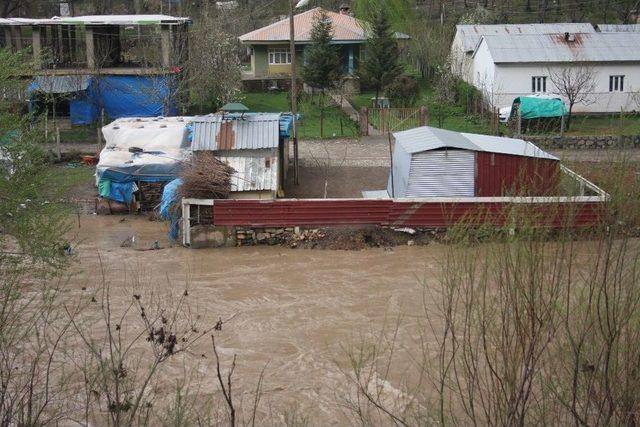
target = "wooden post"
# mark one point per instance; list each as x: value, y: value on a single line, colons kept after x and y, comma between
x: 519, y: 124
x: 364, y: 121
x: 424, y: 116
x: 36, y: 43
x: 58, y: 150
x: 393, y: 189
x: 294, y: 89
x: 89, y: 47
x: 17, y: 36
x: 186, y: 223
x: 165, y: 39
x: 8, y: 38
x: 562, y: 124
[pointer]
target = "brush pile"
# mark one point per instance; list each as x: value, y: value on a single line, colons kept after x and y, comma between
x: 206, y: 177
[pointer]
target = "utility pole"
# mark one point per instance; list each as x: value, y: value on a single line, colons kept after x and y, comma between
x: 294, y: 90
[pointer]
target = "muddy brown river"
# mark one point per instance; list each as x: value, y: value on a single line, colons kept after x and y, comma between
x: 298, y: 312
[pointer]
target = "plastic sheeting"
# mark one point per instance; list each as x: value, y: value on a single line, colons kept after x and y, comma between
x: 119, y: 96
x: 122, y: 191
x: 143, y: 149
x: 168, y: 208
x: 135, y: 96
x: 536, y: 108
x: 82, y: 111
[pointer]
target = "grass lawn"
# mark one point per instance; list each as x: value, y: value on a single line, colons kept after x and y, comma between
x: 457, y: 121
x: 336, y: 123
x: 69, y: 180
x: 81, y: 133
x: 605, y: 125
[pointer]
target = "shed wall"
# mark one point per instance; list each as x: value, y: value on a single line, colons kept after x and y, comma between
x: 508, y: 175
x: 441, y: 173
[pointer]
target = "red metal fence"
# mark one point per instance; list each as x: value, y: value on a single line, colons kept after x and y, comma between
x: 547, y: 212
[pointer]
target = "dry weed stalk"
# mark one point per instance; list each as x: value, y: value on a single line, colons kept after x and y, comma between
x: 534, y: 326
x: 206, y: 177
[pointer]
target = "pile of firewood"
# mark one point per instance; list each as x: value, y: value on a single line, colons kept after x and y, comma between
x: 206, y: 177
x: 150, y: 195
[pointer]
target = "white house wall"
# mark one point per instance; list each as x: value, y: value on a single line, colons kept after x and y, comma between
x: 513, y: 80
x: 502, y: 83
x: 461, y: 61
x: 484, y: 73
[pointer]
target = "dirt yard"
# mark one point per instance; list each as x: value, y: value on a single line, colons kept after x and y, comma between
x: 297, y: 312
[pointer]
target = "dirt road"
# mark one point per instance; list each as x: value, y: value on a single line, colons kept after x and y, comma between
x: 298, y: 312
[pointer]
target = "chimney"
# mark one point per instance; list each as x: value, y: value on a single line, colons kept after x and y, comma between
x: 569, y: 37
x: 345, y: 9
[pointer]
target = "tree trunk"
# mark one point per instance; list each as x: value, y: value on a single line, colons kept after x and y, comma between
x: 322, y: 114
x: 569, y: 116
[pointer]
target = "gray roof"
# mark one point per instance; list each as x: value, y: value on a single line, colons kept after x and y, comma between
x: 249, y: 132
x: 618, y: 28
x: 471, y: 34
x: 596, y: 47
x: 429, y: 138
x: 99, y: 20
x: 60, y: 84
x: 253, y: 173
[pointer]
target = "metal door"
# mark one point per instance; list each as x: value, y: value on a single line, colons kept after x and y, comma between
x: 442, y: 173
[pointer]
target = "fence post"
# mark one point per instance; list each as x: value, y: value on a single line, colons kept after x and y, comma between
x: 364, y: 121
x: 424, y: 116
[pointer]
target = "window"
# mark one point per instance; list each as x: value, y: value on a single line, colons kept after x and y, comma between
x: 279, y: 55
x: 538, y: 84
x: 616, y: 83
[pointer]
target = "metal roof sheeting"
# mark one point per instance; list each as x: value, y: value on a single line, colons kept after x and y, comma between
x: 618, y: 28
x: 471, y: 34
x: 60, y: 84
x: 250, y: 132
x: 253, y: 173
x: 429, y: 138
x: 345, y: 28
x: 100, y: 20
x: 596, y: 47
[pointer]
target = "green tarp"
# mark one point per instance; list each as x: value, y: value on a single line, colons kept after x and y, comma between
x: 536, y: 108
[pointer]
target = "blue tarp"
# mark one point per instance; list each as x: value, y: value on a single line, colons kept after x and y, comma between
x: 168, y: 210
x: 135, y: 96
x: 119, y: 96
x: 82, y: 111
x: 122, y: 191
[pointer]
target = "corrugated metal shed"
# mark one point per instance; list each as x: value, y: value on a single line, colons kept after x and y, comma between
x: 441, y: 174
x: 618, y: 28
x: 471, y: 34
x: 250, y: 132
x: 506, y: 175
x: 253, y: 173
x: 429, y: 138
x: 549, y: 48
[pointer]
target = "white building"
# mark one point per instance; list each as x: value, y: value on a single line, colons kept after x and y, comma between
x: 468, y: 36
x: 507, y: 66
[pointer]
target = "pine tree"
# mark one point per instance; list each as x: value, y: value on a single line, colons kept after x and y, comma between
x: 380, y: 66
x: 323, y: 66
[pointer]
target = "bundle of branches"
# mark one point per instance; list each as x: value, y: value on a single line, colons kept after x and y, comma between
x: 206, y: 177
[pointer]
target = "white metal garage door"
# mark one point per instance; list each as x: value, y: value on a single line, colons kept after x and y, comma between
x: 442, y: 173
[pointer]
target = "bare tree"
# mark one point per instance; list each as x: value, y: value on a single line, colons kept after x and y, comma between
x: 575, y: 82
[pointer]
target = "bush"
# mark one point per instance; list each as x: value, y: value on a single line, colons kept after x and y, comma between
x: 403, y: 91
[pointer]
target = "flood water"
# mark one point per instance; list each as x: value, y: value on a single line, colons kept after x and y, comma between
x: 298, y: 312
